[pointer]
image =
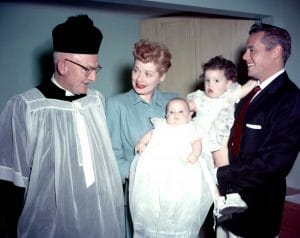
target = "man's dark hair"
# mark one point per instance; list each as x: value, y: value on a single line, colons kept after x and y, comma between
x: 274, y: 36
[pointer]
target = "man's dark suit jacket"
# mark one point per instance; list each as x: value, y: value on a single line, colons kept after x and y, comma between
x: 269, y: 147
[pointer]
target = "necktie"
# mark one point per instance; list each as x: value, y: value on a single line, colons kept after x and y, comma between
x: 238, y: 124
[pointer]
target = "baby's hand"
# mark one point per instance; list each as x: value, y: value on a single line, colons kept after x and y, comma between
x: 192, y: 105
x: 192, y: 158
x: 139, y: 148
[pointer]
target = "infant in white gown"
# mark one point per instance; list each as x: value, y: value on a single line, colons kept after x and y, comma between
x: 168, y: 195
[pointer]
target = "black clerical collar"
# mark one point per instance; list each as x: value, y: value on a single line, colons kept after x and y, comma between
x: 50, y: 90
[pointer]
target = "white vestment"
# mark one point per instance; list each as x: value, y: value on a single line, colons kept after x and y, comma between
x: 61, y: 153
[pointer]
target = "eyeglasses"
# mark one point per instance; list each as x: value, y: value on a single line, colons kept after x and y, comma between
x: 87, y: 70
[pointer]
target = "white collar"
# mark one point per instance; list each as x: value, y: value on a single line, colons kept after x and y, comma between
x: 266, y: 82
x: 67, y: 93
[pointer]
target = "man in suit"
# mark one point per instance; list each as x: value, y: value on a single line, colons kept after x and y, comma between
x: 270, y: 138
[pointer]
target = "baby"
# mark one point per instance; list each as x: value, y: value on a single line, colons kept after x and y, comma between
x: 167, y: 189
x: 178, y: 113
x: 214, y: 116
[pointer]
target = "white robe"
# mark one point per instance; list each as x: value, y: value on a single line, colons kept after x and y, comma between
x: 61, y: 153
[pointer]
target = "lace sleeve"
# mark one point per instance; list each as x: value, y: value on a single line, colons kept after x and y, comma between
x: 221, y: 127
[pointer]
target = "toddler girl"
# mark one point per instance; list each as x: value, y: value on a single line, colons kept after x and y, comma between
x: 214, y: 116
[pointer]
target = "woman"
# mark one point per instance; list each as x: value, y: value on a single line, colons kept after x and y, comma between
x: 128, y: 114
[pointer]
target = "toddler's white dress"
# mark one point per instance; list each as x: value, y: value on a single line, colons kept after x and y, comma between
x: 214, y: 117
x: 168, y: 196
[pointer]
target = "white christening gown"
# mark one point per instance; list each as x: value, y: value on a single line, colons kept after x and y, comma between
x: 168, y: 196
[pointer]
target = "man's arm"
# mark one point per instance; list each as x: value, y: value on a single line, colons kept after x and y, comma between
x: 271, y: 151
